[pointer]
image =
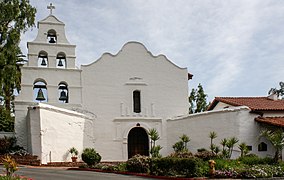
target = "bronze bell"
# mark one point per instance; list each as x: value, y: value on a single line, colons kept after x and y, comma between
x: 40, y: 96
x: 63, y: 96
x: 60, y: 63
x: 52, y: 40
x: 43, y: 62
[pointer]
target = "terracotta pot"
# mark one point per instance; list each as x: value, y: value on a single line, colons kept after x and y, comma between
x: 74, y: 159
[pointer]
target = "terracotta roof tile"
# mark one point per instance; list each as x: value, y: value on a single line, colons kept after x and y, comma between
x: 276, y: 121
x: 254, y: 103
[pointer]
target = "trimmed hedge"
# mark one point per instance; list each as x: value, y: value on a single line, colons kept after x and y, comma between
x: 91, y: 157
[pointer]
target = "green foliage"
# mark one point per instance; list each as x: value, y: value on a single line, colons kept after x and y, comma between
x: 182, y: 167
x: 197, y: 100
x: 154, y: 136
x: 255, y: 160
x: 181, y: 146
x: 244, y: 149
x: 91, y: 157
x: 16, y: 16
x: 138, y: 164
x: 178, y: 146
x: 181, y: 154
x: 155, y: 151
x: 10, y: 165
x: 249, y: 172
x: 278, y: 92
x: 7, y: 144
x: 214, y: 149
x: 205, y: 155
x: 276, y: 138
x: 228, y: 146
x: 6, y: 120
x: 73, y: 151
x: 121, y: 167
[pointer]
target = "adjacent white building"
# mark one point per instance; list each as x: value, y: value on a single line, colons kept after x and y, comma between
x: 111, y: 103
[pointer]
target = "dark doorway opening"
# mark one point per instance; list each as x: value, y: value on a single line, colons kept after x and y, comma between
x: 138, y: 142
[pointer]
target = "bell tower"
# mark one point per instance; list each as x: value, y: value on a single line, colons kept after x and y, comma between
x: 51, y: 76
x: 51, y: 48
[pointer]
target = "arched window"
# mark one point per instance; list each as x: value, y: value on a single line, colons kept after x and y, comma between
x: 40, y: 91
x: 63, y: 92
x: 42, y: 59
x: 136, y: 101
x: 61, y: 60
x: 262, y: 146
x: 51, y: 36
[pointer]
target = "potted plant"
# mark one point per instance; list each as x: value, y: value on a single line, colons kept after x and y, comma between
x: 74, y: 154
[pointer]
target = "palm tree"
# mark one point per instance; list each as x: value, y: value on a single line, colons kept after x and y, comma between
x: 276, y: 138
x: 243, y: 148
x: 224, y: 144
x: 230, y: 144
x: 212, y: 135
x: 154, y: 136
x: 185, y: 139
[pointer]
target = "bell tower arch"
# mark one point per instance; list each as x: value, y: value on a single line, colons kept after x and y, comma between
x: 51, y: 57
x: 50, y: 75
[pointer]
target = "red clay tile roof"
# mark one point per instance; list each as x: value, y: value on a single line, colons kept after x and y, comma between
x: 276, y: 121
x: 254, y: 103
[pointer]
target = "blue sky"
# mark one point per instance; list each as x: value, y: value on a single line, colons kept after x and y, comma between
x: 232, y: 47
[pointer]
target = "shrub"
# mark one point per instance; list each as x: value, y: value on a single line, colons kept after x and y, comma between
x: 205, y: 155
x: 168, y: 166
x: 10, y: 165
x: 73, y: 151
x: 91, y: 157
x: 226, y: 164
x: 181, y: 155
x: 6, y: 121
x: 7, y: 144
x: 139, y: 164
x: 254, y: 160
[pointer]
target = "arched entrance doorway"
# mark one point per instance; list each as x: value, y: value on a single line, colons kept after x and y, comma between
x: 138, y: 142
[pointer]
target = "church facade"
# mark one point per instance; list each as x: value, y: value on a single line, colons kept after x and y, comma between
x: 111, y: 104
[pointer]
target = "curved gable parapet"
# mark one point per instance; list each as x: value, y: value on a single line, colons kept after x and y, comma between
x: 51, y: 19
x: 134, y: 46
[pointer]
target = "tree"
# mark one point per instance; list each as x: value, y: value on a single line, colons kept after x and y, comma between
x: 244, y: 149
x: 212, y: 135
x: 191, y: 100
x: 185, y: 139
x: 16, y: 16
x: 230, y: 144
x: 154, y: 136
x: 181, y: 146
x: 276, y: 138
x: 278, y: 92
x: 197, y: 100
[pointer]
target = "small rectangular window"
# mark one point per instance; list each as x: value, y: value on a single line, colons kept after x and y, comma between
x: 136, y: 102
x: 249, y: 148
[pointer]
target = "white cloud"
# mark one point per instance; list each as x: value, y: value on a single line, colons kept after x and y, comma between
x: 232, y: 47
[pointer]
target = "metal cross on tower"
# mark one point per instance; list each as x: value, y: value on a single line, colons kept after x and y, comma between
x: 50, y: 7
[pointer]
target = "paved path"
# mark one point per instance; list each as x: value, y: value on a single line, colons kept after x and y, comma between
x: 41, y: 173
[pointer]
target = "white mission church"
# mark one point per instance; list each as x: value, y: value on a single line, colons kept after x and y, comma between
x: 111, y: 103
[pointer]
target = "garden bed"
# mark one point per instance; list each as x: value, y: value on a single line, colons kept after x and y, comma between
x: 135, y: 174
x: 23, y: 159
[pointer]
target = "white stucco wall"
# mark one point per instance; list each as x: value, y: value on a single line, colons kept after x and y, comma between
x: 227, y: 123
x: 108, y: 85
x: 53, y: 131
